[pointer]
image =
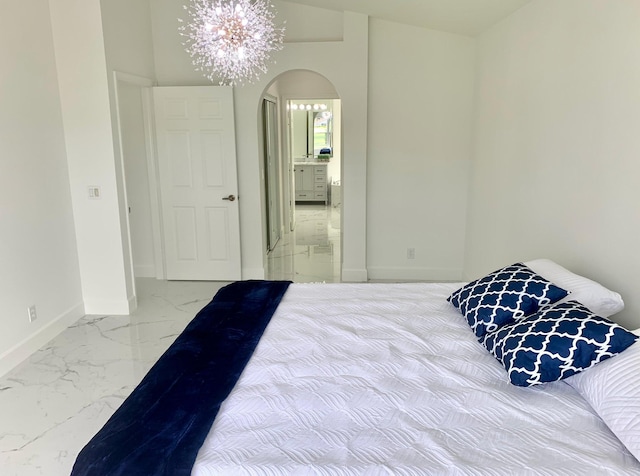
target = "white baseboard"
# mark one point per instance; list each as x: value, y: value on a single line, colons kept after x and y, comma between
x: 415, y: 274
x: 110, y: 308
x: 133, y: 304
x: 21, y: 351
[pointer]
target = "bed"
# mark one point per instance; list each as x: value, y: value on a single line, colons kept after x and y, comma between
x: 375, y: 379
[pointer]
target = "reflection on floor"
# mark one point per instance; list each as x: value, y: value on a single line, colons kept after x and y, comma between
x: 55, y: 401
x: 311, y: 253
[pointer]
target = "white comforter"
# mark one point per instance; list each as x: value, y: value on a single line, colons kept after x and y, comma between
x: 368, y: 379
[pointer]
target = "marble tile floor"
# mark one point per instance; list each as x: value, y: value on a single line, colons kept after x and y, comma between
x: 54, y: 402
x: 311, y: 253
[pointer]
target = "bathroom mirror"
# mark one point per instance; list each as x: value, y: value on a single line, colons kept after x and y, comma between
x: 311, y: 124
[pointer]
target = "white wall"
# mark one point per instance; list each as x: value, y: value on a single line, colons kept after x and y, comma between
x: 83, y: 77
x: 38, y: 258
x: 305, y: 23
x: 304, y: 85
x: 87, y: 52
x: 127, y: 36
x: 557, y: 145
x: 420, y: 134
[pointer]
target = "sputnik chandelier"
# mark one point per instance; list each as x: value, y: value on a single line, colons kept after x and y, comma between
x: 230, y: 41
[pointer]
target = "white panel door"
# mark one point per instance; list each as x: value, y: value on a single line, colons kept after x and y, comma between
x: 198, y: 181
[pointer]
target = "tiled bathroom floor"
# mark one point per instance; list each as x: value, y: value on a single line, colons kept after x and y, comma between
x: 311, y: 253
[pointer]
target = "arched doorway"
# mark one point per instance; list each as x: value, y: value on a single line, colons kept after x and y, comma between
x: 308, y: 169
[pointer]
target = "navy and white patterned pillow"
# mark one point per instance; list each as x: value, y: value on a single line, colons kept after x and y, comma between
x: 555, y: 343
x: 503, y: 296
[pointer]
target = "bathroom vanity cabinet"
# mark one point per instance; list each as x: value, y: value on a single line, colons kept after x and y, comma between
x: 311, y: 182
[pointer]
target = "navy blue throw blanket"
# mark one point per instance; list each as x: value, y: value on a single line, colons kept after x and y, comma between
x: 160, y: 427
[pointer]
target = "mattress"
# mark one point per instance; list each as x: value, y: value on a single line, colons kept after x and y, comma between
x: 375, y: 379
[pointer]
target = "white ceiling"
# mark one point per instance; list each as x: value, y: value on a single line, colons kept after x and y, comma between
x: 465, y: 17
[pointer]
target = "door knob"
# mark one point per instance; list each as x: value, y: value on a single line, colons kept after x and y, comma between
x: 231, y: 198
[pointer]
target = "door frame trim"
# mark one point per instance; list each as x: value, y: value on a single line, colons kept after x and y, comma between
x: 146, y: 85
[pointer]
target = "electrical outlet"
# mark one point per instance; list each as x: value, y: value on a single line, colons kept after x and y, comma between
x: 411, y: 253
x: 31, y: 310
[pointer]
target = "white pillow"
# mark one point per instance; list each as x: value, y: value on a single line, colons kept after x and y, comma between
x: 600, y: 300
x: 612, y: 388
